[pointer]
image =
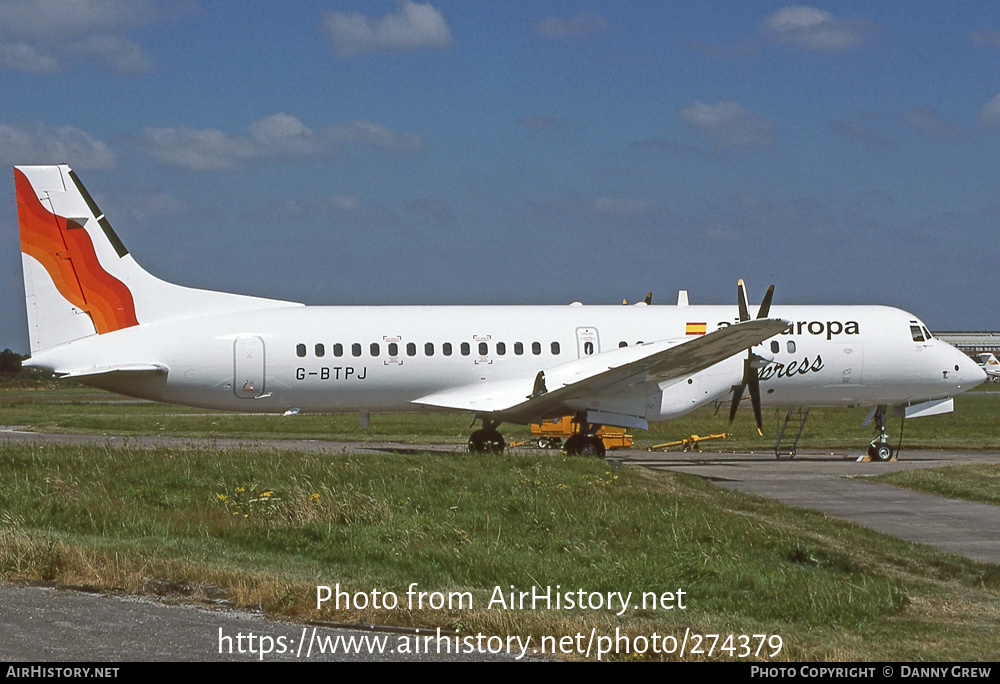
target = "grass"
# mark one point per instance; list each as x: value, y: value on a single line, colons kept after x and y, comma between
x: 263, y: 528
x: 980, y: 483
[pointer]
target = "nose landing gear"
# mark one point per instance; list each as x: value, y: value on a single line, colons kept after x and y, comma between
x: 879, y: 449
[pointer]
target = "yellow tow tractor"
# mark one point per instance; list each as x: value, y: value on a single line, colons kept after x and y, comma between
x: 550, y: 434
x: 688, y: 443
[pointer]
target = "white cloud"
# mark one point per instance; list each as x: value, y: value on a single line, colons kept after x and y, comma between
x: 622, y: 207
x: 728, y: 126
x: 928, y: 121
x: 38, y: 36
x: 26, y: 57
x: 863, y: 127
x: 120, y: 54
x: 279, y: 136
x: 578, y: 27
x: 57, y: 19
x: 38, y: 144
x: 412, y: 27
x: 818, y: 30
x: 990, y: 114
x: 368, y: 134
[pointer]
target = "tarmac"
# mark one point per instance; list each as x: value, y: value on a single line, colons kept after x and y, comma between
x: 839, y: 486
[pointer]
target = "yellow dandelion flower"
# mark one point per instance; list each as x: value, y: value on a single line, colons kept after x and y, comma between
x: 314, y: 498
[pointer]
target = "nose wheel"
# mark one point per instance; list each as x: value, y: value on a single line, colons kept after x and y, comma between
x: 879, y: 449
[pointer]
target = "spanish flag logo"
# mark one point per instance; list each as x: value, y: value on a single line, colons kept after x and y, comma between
x: 695, y: 329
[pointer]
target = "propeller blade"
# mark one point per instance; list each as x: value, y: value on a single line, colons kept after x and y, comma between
x: 750, y: 380
x: 765, y: 305
x: 741, y: 299
x: 754, y: 385
x: 737, y: 396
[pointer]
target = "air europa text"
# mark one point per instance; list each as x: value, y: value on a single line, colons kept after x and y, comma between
x: 826, y: 328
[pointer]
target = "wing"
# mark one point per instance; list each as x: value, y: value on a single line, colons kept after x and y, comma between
x: 526, y: 399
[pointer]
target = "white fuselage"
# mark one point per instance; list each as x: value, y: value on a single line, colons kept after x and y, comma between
x: 365, y: 359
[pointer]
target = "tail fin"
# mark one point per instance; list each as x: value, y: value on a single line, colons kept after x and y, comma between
x: 79, y: 280
x: 990, y: 364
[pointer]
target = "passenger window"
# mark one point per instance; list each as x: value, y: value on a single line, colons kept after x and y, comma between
x: 483, y: 349
x: 555, y: 349
x: 338, y: 349
x: 393, y: 349
x: 916, y: 334
x: 446, y: 348
x: 429, y: 349
x: 536, y: 348
x: 588, y: 348
x: 501, y: 348
x: 356, y: 349
x: 411, y: 349
x: 775, y: 347
x: 518, y: 348
x: 300, y: 350
x: 791, y: 346
x: 320, y: 350
x: 374, y: 349
x: 465, y: 349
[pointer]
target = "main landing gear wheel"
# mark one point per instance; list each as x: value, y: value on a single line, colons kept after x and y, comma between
x: 584, y: 445
x: 486, y: 442
x: 880, y: 451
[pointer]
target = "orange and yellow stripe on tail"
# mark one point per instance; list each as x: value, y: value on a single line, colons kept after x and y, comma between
x: 66, y: 251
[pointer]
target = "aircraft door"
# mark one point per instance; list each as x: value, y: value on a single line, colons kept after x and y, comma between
x: 248, y: 364
x: 587, y: 342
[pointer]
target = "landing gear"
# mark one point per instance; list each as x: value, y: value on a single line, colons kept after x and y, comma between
x: 487, y: 440
x: 880, y: 449
x: 585, y: 442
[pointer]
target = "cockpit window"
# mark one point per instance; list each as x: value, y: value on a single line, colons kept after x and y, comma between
x: 927, y: 333
x: 916, y: 333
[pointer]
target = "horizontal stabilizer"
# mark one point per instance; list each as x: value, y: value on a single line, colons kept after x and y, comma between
x: 128, y: 368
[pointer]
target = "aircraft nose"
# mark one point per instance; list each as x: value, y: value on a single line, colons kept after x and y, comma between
x: 962, y: 370
x: 979, y: 375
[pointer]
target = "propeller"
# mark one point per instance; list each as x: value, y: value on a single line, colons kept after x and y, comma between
x: 750, y: 378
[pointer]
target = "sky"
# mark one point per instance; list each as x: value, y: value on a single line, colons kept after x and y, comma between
x: 457, y: 152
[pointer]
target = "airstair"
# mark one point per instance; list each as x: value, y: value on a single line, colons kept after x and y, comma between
x: 795, y: 414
